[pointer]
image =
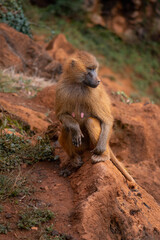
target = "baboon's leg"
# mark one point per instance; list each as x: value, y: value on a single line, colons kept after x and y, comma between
x: 65, y: 141
x: 94, y: 130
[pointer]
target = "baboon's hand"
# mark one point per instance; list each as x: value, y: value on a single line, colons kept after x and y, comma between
x: 98, y: 150
x: 77, y: 137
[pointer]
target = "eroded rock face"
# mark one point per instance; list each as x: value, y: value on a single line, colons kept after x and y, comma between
x: 21, y: 53
x: 131, y: 20
x: 108, y: 209
x: 136, y: 142
x: 59, y: 48
x: 26, y: 112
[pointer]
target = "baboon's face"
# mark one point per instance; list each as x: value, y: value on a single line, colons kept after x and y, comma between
x: 91, y: 78
x: 83, y: 70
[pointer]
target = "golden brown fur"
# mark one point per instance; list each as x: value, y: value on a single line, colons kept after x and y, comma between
x: 73, y: 98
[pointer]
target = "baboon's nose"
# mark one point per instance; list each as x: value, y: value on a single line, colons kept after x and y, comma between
x: 99, y: 80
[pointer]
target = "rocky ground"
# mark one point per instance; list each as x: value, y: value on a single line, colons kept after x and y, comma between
x: 95, y: 202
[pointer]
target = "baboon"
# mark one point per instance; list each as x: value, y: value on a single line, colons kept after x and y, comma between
x: 83, y: 108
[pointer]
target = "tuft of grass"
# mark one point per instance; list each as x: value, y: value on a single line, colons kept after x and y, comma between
x: 34, y: 217
x: 12, y: 149
x: 126, y: 99
x: 4, y: 229
x: 13, y: 83
x: 50, y: 233
x: 9, y: 122
x: 12, y: 186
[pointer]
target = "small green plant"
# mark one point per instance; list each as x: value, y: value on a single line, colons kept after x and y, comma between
x: 124, y: 98
x: 59, y: 238
x: 4, y: 229
x: 5, y: 186
x: 11, y: 186
x: 13, y: 125
x: 50, y: 233
x: 15, y: 150
x: 34, y: 217
x: 47, y: 233
x: 11, y: 12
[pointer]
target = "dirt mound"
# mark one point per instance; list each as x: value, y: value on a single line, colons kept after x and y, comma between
x: 46, y: 97
x: 107, y: 209
x: 22, y: 53
x: 134, y: 140
x: 21, y: 110
x: 59, y: 48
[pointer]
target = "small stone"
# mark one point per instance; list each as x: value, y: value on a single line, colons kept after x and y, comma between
x: 119, y: 24
x: 34, y: 228
x: 46, y: 188
x: 8, y: 215
x: 24, y: 165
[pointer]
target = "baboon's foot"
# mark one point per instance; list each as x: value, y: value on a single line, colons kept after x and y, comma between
x: 76, y: 161
x: 100, y: 158
x: 74, y: 164
x: 65, y: 172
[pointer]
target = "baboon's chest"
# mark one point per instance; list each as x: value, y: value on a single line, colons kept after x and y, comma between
x: 80, y: 113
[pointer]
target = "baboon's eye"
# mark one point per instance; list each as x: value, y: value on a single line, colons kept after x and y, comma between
x: 90, y: 68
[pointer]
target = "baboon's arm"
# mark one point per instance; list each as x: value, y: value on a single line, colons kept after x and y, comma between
x: 73, y: 126
x: 103, y: 138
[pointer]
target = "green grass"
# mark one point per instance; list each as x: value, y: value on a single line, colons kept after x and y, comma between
x: 13, y: 83
x: 12, y: 186
x: 4, y: 229
x: 141, y: 59
x: 15, y: 150
x: 14, y: 125
x: 49, y: 233
x: 126, y: 99
x: 34, y: 217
